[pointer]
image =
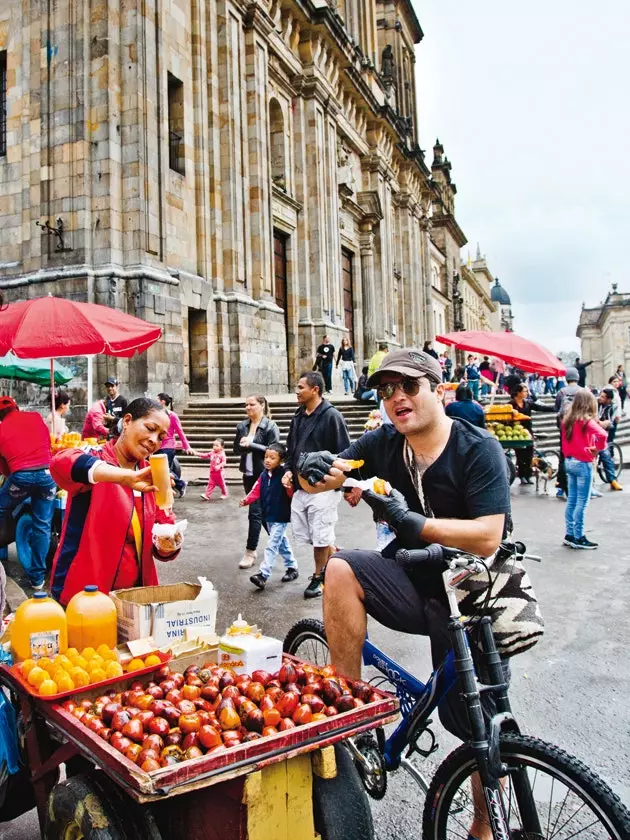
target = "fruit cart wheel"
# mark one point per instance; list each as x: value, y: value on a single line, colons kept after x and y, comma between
x: 340, y: 806
x: 80, y: 809
x: 307, y: 639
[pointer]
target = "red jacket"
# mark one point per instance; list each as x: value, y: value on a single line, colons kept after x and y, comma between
x: 96, y: 524
x: 24, y: 442
x: 93, y: 425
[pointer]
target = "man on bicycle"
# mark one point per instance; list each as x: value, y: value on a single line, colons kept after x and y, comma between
x: 450, y: 487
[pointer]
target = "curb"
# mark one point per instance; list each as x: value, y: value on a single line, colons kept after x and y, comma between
x: 14, y: 594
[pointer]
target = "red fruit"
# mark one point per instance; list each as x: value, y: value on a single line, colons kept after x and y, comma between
x: 78, y: 713
x: 266, y: 703
x: 261, y: 676
x: 269, y: 730
x: 162, y: 673
x: 159, y: 726
x: 229, y: 718
x: 316, y: 703
x: 318, y: 716
x: 171, y: 713
x: 328, y: 671
x: 171, y: 750
x: 145, y: 701
x: 186, y: 707
x: 189, y: 722
x: 145, y: 717
x: 134, y: 730
x: 148, y: 753
x: 246, y: 707
x: 178, y: 679
x: 271, y: 717
x: 287, y: 673
x: 174, y: 738
x: 191, y: 692
x: 205, y: 717
x: 204, y: 675
x: 155, y: 691
x: 86, y: 705
x: 227, y: 702
x: 210, y: 691
x: 274, y: 683
x: 358, y: 702
x: 313, y: 687
x: 192, y: 752
x: 174, y: 696
x: 252, y: 736
x: 254, y: 720
x: 293, y: 687
x: 133, y: 696
x: 133, y: 752
x: 285, y: 723
x: 331, y: 711
x: 288, y: 703
x: 255, y: 691
x: 153, y: 742
x: 191, y: 740
x: 275, y: 692
x: 149, y: 765
x: 195, y: 682
x: 374, y: 698
x: 227, y: 678
x: 168, y: 685
x: 69, y: 705
x: 105, y: 733
x: 119, y: 719
x: 192, y: 671
x: 300, y: 675
x: 171, y: 760
x: 331, y: 691
x: 232, y: 738
x: 136, y: 685
x: 158, y: 706
x: 99, y: 703
x: 303, y: 714
x: 121, y: 744
x: 231, y: 692
x: 345, y: 703
x: 209, y: 737
x: 362, y: 690
x: 95, y: 725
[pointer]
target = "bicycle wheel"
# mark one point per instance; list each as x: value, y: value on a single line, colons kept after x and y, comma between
x: 617, y: 457
x: 551, y: 460
x: 307, y: 639
x: 570, y: 800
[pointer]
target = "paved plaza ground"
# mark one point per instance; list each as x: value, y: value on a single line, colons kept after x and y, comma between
x: 573, y: 688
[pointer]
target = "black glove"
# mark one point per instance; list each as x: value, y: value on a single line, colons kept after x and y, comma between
x: 394, y: 510
x: 313, y: 466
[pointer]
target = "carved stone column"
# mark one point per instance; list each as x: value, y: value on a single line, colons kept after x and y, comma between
x: 366, y: 242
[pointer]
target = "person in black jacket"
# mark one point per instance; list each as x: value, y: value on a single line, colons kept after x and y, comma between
x: 581, y: 369
x: 316, y: 425
x: 325, y: 358
x: 525, y: 404
x: 252, y: 438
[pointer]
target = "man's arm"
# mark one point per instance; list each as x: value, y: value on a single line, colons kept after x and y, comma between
x: 480, y: 536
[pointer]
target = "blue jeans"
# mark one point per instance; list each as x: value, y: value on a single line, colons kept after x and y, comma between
x: 41, y: 489
x: 348, y: 380
x: 180, y: 484
x: 277, y: 544
x: 368, y: 395
x: 579, y: 477
x: 608, y: 465
x: 473, y: 384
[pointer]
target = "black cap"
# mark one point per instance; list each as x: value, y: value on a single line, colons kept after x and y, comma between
x: 111, y: 381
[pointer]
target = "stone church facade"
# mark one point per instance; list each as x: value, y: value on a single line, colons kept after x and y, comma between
x: 245, y: 173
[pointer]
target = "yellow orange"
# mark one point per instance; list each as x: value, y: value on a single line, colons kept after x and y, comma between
x: 46, y: 664
x: 88, y: 653
x: 81, y: 662
x: 79, y: 677
x: 72, y: 654
x: 37, y: 676
x: 97, y: 675
x: 114, y: 669
x: 48, y: 687
x: 135, y: 664
x: 26, y: 667
x: 65, y: 683
x: 63, y: 662
x: 106, y: 652
x: 152, y: 659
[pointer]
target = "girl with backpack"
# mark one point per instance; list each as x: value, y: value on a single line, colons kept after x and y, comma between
x: 582, y: 439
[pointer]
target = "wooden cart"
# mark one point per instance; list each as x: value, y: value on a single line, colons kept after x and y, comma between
x: 296, y: 784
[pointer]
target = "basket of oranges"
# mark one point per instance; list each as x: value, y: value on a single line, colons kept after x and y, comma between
x: 52, y: 679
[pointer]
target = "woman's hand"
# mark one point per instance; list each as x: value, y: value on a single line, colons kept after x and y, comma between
x: 140, y: 480
x: 168, y: 545
x: 287, y: 480
x: 245, y: 442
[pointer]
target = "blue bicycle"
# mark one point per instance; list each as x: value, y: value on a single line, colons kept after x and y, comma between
x: 532, y: 790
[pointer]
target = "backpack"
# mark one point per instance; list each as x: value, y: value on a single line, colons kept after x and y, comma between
x: 567, y: 396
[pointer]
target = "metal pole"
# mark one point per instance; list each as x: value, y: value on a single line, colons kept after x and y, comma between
x: 52, y: 394
x: 90, y: 383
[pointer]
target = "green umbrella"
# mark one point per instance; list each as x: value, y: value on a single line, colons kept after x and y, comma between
x: 33, y: 370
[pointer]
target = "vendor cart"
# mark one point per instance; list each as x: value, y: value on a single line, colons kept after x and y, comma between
x: 298, y: 784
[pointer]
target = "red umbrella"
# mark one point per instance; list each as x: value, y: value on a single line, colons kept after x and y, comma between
x: 49, y: 326
x: 525, y: 354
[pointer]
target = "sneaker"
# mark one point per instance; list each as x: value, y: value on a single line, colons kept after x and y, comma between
x: 224, y: 497
x: 289, y: 575
x: 315, y: 588
x: 560, y: 494
x: 595, y: 494
x: 259, y: 580
x: 183, y: 489
x: 248, y: 559
x: 570, y: 541
x: 582, y: 542
x: 526, y: 481
x: 614, y: 485
x: 38, y: 587
x: 204, y: 497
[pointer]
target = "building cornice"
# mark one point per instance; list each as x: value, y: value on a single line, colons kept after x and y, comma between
x: 447, y: 220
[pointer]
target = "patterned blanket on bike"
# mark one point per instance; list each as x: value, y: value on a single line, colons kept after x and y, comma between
x: 517, y: 622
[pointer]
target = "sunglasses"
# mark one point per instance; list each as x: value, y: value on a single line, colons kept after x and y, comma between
x: 409, y: 385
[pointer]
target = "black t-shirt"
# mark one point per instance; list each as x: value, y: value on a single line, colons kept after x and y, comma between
x: 326, y: 352
x: 468, y: 479
x: 117, y: 407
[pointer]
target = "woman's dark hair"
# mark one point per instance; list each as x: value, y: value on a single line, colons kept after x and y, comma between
x: 280, y: 448
x: 463, y: 392
x: 61, y: 398
x: 517, y: 389
x: 141, y: 407
x: 165, y: 398
x: 364, y: 370
x: 427, y: 346
x: 314, y: 379
x: 262, y: 401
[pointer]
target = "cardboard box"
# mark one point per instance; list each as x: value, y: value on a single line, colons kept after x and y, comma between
x: 165, y: 612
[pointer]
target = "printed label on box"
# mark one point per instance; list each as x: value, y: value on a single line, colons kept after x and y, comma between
x: 45, y: 643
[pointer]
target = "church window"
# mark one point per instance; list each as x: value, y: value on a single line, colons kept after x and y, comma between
x: 176, y: 156
x: 3, y: 103
x: 277, y: 145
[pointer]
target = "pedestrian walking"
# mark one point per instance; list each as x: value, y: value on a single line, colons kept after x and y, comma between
x: 316, y: 425
x: 218, y: 460
x: 448, y: 367
x: 275, y: 504
x: 57, y: 425
x: 427, y: 347
x: 472, y: 374
x: 253, y: 437
x: 582, y: 438
x: 324, y: 361
x: 623, y: 385
x: 25, y: 461
x: 168, y: 444
x: 345, y: 358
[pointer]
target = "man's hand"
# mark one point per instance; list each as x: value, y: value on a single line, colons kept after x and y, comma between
x: 314, y: 466
x: 352, y: 496
x: 394, y: 510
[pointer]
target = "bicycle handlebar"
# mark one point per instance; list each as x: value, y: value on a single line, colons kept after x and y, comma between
x: 438, y: 556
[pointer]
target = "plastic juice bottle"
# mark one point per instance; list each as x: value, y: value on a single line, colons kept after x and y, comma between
x: 39, y: 628
x: 161, y: 476
x: 92, y: 619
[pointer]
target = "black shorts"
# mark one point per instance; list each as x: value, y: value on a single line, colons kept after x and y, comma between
x: 406, y: 605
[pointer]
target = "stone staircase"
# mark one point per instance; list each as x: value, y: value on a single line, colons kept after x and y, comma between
x: 204, y: 420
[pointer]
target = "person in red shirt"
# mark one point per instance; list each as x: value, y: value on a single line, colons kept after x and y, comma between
x: 94, y: 425
x: 107, y: 537
x: 25, y: 461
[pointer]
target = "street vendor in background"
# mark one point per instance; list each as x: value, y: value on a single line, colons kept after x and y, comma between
x: 523, y: 402
x: 25, y: 460
x: 115, y: 406
x: 93, y: 426
x: 107, y: 535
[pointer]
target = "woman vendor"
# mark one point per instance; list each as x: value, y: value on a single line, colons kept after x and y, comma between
x: 107, y: 533
x: 525, y: 404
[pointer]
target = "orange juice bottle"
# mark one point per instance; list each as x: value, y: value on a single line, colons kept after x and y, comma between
x: 161, y: 476
x: 92, y: 619
x: 39, y: 628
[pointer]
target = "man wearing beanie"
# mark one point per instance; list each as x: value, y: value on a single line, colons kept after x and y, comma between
x: 564, y: 398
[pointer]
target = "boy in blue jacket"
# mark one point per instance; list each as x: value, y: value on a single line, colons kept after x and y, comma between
x: 275, y: 503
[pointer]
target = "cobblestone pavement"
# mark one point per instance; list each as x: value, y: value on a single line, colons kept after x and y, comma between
x: 571, y: 689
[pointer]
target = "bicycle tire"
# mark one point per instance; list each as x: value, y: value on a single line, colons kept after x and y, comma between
x: 525, y: 752
x: 617, y: 459
x: 303, y: 632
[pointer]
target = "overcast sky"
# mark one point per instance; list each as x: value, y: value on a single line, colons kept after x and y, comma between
x: 531, y: 101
